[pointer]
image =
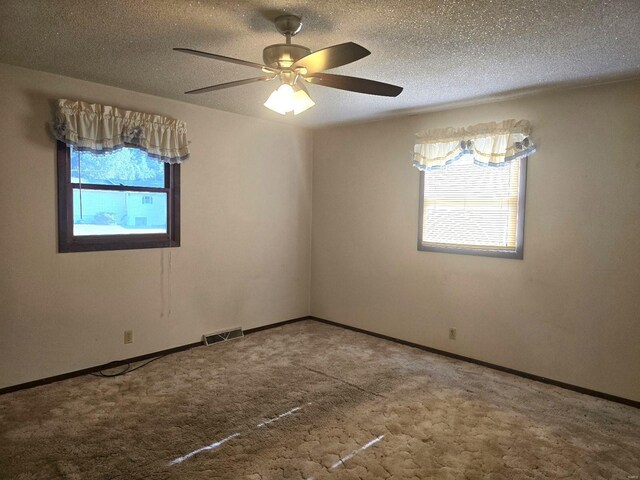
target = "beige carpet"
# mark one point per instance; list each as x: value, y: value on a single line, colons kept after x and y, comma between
x: 312, y: 401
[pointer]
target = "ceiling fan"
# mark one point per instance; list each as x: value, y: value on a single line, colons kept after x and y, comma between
x: 295, y: 65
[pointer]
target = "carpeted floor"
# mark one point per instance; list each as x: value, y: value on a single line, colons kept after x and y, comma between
x: 312, y: 401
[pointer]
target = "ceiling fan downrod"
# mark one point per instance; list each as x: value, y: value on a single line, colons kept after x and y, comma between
x: 283, y: 55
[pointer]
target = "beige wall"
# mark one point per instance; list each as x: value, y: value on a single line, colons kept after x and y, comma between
x: 569, y: 311
x: 244, y: 259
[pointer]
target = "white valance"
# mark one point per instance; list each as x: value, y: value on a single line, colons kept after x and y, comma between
x: 489, y: 143
x: 101, y: 128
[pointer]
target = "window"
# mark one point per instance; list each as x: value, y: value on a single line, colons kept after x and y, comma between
x: 123, y: 199
x: 474, y: 209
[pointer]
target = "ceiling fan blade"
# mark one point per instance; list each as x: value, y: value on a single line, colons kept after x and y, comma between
x: 226, y: 59
x: 237, y: 83
x: 354, y: 84
x: 332, y: 57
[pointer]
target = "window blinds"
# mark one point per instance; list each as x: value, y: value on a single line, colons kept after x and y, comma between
x: 472, y: 206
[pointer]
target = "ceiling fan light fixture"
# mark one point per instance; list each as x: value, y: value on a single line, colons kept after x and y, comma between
x: 296, y: 65
x: 281, y: 100
x: 287, y: 99
x: 302, y: 102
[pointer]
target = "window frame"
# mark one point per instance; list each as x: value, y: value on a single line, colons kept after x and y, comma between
x: 518, y: 254
x: 68, y: 242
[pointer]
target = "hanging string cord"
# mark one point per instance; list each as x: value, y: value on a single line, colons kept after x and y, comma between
x: 170, y: 206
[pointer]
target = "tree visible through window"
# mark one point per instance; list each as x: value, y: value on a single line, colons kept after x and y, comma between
x: 117, y: 200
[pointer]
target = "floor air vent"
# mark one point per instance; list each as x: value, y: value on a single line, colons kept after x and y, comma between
x: 223, y: 336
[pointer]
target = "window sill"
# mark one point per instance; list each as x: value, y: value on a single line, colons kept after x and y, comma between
x: 517, y: 255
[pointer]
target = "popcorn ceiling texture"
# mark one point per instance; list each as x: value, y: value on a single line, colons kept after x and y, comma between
x: 440, y: 51
x: 312, y: 401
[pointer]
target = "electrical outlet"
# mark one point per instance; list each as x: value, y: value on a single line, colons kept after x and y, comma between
x: 452, y: 334
x: 128, y: 336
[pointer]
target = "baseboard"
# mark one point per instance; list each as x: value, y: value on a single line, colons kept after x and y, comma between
x: 275, y: 325
x: 139, y: 358
x: 529, y: 376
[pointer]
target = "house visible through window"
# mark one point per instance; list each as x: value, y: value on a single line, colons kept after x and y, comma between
x: 118, y: 200
x: 472, y: 208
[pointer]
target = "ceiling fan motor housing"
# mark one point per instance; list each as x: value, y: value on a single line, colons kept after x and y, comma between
x: 283, y: 55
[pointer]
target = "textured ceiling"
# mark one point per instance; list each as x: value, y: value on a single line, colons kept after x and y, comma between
x: 440, y: 51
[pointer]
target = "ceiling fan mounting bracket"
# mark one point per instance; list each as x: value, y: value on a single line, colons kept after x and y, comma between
x: 288, y: 25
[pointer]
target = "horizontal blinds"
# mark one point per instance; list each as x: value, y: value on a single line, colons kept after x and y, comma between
x: 471, y: 206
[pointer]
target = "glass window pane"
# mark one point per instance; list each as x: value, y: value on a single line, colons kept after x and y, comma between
x: 104, y: 212
x: 131, y: 167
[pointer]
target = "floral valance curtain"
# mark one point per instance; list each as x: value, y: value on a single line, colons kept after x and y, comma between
x: 101, y: 128
x: 489, y: 143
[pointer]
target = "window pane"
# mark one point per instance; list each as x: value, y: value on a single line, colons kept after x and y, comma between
x: 469, y: 205
x: 104, y: 212
x: 127, y: 166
